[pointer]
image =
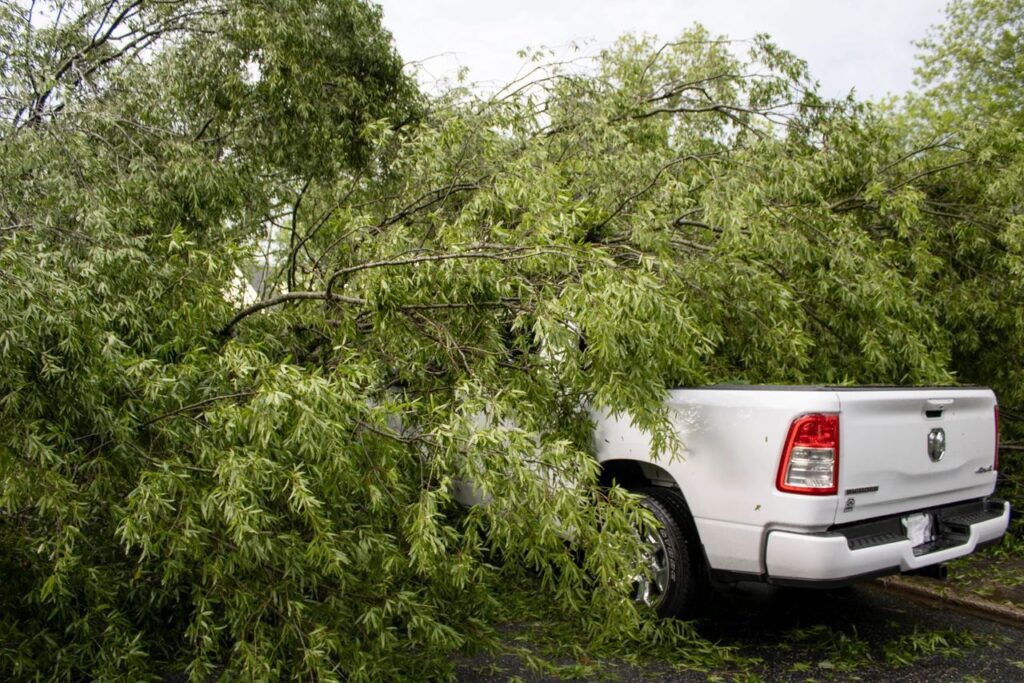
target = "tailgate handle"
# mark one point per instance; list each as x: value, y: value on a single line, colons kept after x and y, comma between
x: 933, y: 407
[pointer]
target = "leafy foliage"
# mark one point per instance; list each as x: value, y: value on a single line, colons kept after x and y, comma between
x: 971, y: 63
x: 971, y: 69
x: 194, y: 480
x: 837, y: 652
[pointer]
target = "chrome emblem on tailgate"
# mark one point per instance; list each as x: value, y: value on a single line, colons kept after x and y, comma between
x: 936, y: 444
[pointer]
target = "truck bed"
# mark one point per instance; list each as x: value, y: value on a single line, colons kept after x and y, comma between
x: 889, y: 462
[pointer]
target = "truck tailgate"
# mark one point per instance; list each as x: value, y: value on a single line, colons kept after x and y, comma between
x: 907, y: 449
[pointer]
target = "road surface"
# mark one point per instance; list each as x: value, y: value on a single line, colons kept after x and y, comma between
x: 845, y: 635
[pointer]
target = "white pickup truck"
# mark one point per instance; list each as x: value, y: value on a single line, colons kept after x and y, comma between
x: 810, y: 486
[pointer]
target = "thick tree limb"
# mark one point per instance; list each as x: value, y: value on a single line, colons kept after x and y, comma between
x: 499, y: 253
x: 355, y: 301
x: 292, y: 248
x: 285, y: 298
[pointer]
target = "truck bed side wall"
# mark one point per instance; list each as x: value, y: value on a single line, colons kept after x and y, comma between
x: 733, y: 440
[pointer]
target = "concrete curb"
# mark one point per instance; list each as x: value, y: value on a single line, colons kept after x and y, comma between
x: 942, y: 595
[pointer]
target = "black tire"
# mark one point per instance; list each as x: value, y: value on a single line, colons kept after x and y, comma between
x: 688, y: 586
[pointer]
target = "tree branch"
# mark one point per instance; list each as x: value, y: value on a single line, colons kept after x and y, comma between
x: 198, y: 404
x: 428, y: 199
x: 625, y: 202
x: 292, y: 249
x: 502, y: 252
x: 285, y: 298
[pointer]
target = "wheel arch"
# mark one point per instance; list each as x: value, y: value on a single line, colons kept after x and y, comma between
x: 634, y: 474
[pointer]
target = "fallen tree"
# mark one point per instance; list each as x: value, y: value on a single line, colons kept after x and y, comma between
x: 196, y: 480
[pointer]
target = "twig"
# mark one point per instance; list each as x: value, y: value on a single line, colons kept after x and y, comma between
x: 198, y: 404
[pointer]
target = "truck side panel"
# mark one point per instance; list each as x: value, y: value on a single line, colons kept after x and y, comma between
x: 732, y: 441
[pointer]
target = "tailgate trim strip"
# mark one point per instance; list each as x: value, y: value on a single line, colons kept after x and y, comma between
x: 952, y: 522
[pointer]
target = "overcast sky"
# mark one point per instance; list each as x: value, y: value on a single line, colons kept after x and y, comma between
x: 861, y: 44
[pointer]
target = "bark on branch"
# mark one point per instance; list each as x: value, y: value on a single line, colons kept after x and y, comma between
x: 282, y: 299
x: 480, y: 251
x: 226, y: 331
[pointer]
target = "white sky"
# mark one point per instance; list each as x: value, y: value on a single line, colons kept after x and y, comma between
x: 861, y: 44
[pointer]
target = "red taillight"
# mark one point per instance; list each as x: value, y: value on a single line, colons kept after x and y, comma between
x: 810, y: 458
x: 995, y: 459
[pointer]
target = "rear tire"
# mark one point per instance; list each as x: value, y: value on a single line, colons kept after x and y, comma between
x: 678, y: 583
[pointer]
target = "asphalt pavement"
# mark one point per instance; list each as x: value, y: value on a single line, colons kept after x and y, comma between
x: 863, y: 633
x: 788, y: 628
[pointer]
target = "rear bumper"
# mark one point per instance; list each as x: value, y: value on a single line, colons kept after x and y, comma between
x: 850, y: 553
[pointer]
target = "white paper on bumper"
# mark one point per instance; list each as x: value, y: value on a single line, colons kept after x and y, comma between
x: 920, y: 528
